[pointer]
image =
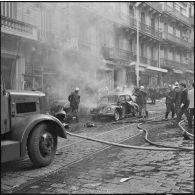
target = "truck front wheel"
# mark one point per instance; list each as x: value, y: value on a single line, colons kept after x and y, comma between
x: 42, y: 145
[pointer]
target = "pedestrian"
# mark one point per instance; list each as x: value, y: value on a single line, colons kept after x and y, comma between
x: 177, y: 100
x: 184, y: 102
x: 191, y: 107
x: 74, y: 99
x: 170, y: 96
x: 141, y: 101
x: 153, y: 95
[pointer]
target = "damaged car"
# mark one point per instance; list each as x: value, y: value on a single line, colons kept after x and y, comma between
x: 116, y: 106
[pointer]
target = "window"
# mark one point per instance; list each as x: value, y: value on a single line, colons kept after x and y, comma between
x: 128, y: 98
x: 152, y: 52
x: 142, y: 17
x: 142, y: 50
x: 121, y: 98
x: 153, y: 23
x: 8, y: 9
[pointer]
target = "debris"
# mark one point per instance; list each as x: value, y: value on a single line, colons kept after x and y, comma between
x: 89, y: 124
x: 125, y: 179
x: 92, y: 185
x: 59, y: 153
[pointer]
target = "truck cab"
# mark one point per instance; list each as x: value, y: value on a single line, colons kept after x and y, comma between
x: 26, y: 127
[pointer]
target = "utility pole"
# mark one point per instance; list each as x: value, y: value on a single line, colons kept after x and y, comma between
x: 137, y: 64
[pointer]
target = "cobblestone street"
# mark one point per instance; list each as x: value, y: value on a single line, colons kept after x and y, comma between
x: 88, y: 167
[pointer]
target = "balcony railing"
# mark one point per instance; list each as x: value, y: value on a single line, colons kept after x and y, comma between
x: 116, y: 53
x: 173, y: 38
x: 155, y: 5
x: 173, y: 64
x: 19, y: 28
x: 144, y: 28
x: 175, y: 13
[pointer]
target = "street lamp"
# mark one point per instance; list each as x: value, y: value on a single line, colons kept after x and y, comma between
x: 137, y: 64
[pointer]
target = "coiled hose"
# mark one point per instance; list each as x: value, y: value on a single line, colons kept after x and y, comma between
x: 163, y: 148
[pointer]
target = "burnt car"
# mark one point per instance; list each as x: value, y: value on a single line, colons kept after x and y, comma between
x: 60, y: 108
x: 116, y: 106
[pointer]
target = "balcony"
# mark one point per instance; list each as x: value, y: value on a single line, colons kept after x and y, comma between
x: 176, y: 14
x: 117, y: 54
x: 125, y: 55
x: 155, y: 5
x: 166, y: 63
x: 149, y: 30
x: 18, y: 28
x: 179, y: 41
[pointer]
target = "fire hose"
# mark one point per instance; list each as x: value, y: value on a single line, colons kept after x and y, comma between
x: 189, y: 134
x: 163, y: 147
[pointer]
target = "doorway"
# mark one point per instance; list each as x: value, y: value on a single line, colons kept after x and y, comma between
x: 8, y: 72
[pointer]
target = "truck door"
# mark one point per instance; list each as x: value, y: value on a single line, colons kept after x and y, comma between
x: 5, y: 119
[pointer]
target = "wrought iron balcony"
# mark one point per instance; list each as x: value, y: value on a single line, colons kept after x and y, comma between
x: 175, y: 13
x: 131, y: 22
x: 149, y: 30
x: 117, y: 54
x: 18, y: 28
x: 175, y: 39
x: 166, y: 63
x: 125, y: 55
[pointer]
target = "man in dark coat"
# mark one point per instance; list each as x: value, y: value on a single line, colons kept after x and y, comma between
x: 184, y: 102
x: 141, y: 101
x: 153, y: 95
x: 74, y: 99
x: 170, y: 97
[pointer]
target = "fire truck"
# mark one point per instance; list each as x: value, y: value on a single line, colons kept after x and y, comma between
x: 25, y: 128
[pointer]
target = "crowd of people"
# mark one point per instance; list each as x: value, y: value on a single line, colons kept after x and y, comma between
x: 180, y: 101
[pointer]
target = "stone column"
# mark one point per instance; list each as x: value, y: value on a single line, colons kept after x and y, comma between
x: 20, y: 70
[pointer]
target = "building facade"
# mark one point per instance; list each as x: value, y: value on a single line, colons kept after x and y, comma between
x: 95, y: 44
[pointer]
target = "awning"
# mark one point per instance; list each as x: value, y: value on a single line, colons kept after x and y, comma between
x: 156, y: 69
x: 177, y: 71
x: 140, y: 64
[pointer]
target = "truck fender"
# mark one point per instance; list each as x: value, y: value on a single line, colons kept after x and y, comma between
x: 24, y: 125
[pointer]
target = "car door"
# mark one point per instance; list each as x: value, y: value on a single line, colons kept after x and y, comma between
x: 128, y: 105
x: 122, y: 102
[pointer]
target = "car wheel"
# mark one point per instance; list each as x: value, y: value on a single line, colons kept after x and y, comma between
x: 116, y: 115
x: 42, y: 145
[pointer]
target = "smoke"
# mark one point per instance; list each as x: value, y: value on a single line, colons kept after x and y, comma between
x: 81, y: 30
x: 81, y: 35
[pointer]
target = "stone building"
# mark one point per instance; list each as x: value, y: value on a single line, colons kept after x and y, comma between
x: 67, y: 44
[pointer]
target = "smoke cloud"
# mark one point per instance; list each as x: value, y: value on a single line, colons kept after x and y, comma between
x: 82, y: 29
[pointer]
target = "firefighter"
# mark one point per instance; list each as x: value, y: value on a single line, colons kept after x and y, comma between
x: 141, y: 101
x: 74, y: 99
x: 191, y: 107
x: 153, y: 95
x: 170, y: 97
x: 177, y: 100
x: 184, y: 102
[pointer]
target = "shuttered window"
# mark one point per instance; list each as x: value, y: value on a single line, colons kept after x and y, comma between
x: 8, y: 9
